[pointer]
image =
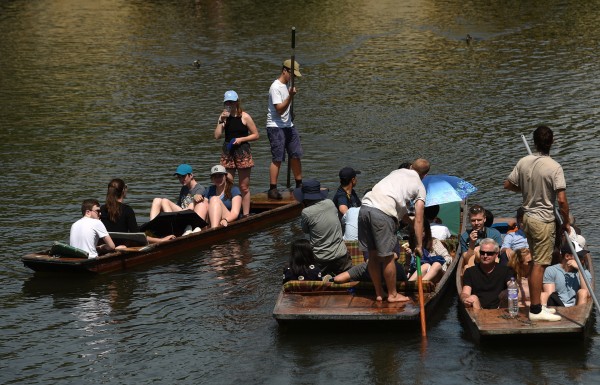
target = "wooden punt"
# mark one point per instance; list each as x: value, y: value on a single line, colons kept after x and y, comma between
x: 313, y: 301
x: 265, y: 213
x: 493, y: 324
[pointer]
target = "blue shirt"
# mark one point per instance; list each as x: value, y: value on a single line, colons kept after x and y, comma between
x: 212, y: 191
x: 515, y: 240
x: 490, y: 233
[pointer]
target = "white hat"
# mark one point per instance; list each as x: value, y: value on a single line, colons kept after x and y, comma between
x: 217, y: 169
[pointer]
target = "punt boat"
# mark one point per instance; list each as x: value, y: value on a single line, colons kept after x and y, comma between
x: 495, y: 324
x: 264, y: 213
x: 315, y: 301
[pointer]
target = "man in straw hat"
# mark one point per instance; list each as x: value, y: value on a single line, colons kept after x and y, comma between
x: 281, y: 131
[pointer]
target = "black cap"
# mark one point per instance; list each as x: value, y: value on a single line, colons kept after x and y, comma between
x: 348, y: 173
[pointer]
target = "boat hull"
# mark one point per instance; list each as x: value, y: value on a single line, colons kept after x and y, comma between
x: 267, y: 213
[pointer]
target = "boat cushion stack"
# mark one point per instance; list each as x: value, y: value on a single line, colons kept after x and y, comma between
x: 60, y: 249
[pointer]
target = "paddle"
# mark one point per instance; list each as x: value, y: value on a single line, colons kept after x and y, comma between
x: 421, y: 296
x: 293, y: 67
x: 566, y: 235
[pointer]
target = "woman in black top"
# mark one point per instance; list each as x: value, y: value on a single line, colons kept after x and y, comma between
x: 239, y: 130
x: 118, y: 216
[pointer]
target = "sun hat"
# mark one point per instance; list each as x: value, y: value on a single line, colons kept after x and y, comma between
x: 311, y: 189
x: 230, y: 96
x: 183, y: 169
x: 288, y: 64
x: 217, y: 169
x: 348, y: 173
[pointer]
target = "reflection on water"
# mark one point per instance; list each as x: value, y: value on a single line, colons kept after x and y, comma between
x: 93, y: 90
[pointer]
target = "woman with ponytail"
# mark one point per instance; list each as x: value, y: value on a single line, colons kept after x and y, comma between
x: 118, y: 216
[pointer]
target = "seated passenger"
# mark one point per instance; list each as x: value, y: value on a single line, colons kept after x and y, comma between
x: 438, y: 230
x: 521, y: 263
x: 320, y: 221
x: 87, y: 231
x: 360, y: 272
x: 435, y: 258
x: 302, y: 265
x: 515, y: 240
x: 345, y: 197
x: 189, y: 196
x: 469, y: 240
x: 118, y: 216
x: 563, y: 282
x: 223, y: 200
x: 350, y: 224
x: 485, y: 283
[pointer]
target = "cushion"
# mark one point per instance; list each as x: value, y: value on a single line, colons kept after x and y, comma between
x: 60, y: 249
x: 319, y: 286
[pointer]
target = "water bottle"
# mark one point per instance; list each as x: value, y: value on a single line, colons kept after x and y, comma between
x: 513, y: 298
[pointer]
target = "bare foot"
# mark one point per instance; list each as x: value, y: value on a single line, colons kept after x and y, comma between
x: 398, y: 298
x: 379, y: 298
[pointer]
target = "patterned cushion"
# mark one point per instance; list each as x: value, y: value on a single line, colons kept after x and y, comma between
x: 60, y: 249
x: 318, y: 286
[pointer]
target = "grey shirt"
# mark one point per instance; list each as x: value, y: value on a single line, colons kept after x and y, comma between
x: 320, y: 221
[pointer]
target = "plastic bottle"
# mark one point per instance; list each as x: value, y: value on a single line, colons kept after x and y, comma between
x: 513, y: 298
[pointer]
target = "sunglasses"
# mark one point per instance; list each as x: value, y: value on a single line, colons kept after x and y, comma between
x: 488, y: 252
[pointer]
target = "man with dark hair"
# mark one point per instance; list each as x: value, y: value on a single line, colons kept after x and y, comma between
x: 541, y: 182
x: 345, y: 197
x: 382, y: 209
x: 564, y: 284
x: 87, y: 231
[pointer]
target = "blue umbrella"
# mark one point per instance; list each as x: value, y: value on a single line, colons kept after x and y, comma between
x: 445, y: 189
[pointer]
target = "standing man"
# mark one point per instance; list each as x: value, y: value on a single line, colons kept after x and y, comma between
x: 382, y: 209
x: 345, y: 197
x: 541, y: 181
x: 281, y: 131
x: 87, y: 231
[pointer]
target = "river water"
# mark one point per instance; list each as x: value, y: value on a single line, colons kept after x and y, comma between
x: 91, y: 90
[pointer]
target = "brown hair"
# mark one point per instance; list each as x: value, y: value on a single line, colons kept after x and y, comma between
x: 516, y: 263
x: 88, y: 205
x: 116, y: 189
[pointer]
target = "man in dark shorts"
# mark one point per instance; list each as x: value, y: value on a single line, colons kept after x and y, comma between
x: 382, y: 209
x: 281, y: 130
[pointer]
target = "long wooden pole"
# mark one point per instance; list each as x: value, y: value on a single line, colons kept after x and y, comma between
x: 292, y: 68
x: 566, y: 235
x: 421, y: 296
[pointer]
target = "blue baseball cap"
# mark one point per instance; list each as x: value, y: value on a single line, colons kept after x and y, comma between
x: 183, y: 169
x: 230, y: 96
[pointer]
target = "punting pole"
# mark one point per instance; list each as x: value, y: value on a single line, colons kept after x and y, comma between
x: 573, y: 252
x: 292, y: 64
x: 421, y: 296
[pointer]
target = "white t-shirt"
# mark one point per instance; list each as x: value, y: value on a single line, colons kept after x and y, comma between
x: 439, y: 231
x: 393, y: 194
x: 85, y: 234
x: 350, y: 224
x: 277, y: 94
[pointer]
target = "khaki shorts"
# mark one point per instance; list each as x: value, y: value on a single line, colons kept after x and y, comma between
x: 540, y: 236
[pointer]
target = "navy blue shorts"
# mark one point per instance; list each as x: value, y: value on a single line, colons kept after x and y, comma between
x: 283, y: 139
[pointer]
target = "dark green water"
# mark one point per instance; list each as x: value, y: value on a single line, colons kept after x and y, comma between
x: 91, y: 90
